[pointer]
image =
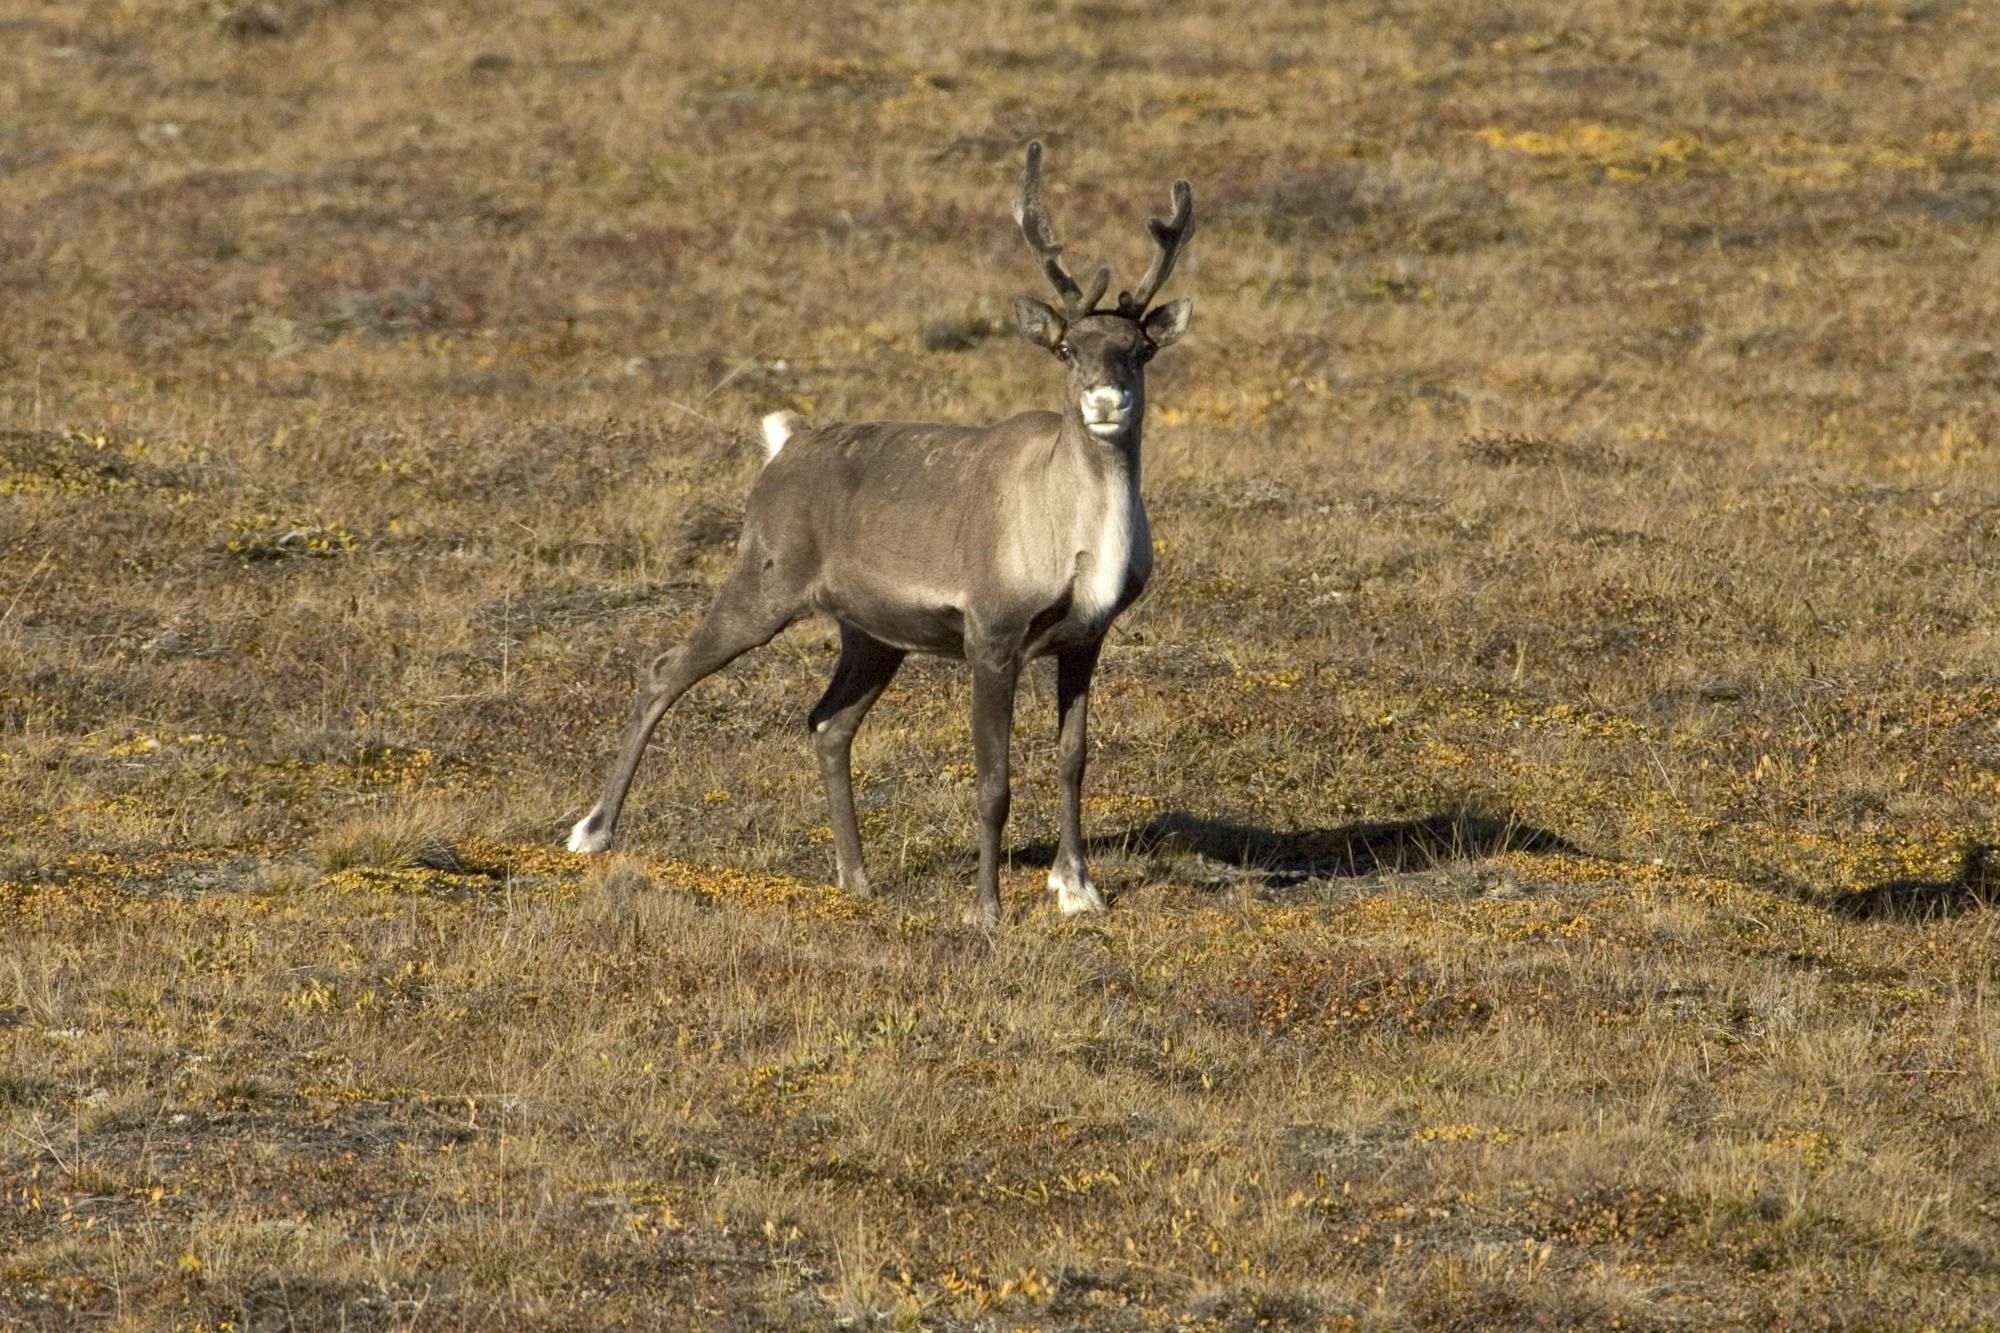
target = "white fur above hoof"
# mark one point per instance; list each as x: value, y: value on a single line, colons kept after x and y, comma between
x: 590, y: 834
x: 1075, y: 894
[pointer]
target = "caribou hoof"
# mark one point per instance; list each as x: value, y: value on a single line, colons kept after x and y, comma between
x: 1075, y: 894
x: 590, y: 834
x: 982, y: 916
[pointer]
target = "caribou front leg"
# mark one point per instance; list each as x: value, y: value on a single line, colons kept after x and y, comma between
x: 994, y: 678
x: 1069, y: 877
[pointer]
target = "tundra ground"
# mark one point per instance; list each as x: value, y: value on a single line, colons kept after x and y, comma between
x: 1542, y: 790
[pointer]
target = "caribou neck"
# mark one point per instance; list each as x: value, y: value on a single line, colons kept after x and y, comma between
x: 1116, y: 458
x: 1096, y: 519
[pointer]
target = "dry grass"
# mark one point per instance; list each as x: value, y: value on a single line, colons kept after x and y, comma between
x: 1536, y: 790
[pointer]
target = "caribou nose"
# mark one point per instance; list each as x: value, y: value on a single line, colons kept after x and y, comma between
x: 1106, y: 400
x: 1106, y: 409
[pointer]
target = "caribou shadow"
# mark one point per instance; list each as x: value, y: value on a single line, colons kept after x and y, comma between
x: 1976, y: 884
x: 1286, y: 860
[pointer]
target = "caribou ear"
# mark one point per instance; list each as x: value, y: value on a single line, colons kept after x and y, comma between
x: 1038, y: 323
x: 1165, y: 324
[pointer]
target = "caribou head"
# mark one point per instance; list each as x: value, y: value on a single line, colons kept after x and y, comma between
x: 1104, y: 350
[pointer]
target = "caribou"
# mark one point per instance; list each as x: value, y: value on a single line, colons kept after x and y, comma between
x: 997, y: 545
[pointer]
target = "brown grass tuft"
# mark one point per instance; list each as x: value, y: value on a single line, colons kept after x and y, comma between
x: 403, y: 838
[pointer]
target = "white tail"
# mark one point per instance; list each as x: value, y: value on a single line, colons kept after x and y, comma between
x: 779, y: 427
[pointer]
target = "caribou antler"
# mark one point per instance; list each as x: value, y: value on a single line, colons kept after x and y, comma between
x: 1172, y: 238
x: 1034, y: 222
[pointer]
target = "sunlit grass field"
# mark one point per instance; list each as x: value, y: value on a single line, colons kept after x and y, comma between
x: 1543, y: 791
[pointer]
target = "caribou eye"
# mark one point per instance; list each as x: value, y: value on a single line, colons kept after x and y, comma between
x: 1147, y: 351
x: 1064, y: 352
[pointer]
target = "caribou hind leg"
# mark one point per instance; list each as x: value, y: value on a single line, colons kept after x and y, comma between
x: 748, y: 613
x: 865, y: 668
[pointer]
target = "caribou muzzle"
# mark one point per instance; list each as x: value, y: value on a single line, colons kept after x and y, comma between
x: 1106, y: 410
